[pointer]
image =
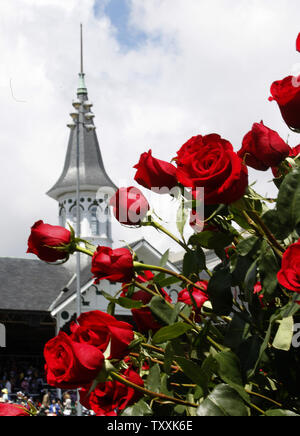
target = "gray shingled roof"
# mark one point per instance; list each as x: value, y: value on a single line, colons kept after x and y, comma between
x: 85, y: 277
x: 32, y: 285
x: 92, y: 171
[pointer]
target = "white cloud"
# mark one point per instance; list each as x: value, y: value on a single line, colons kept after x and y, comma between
x: 205, y: 67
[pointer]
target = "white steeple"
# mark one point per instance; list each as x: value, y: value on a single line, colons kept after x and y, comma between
x: 94, y: 184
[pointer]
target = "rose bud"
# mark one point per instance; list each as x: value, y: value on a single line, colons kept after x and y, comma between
x: 286, y: 93
x: 101, y: 330
x: 257, y: 290
x: 200, y: 297
x: 110, y: 398
x: 129, y: 206
x: 210, y: 162
x: 155, y: 173
x: 70, y: 364
x: 113, y: 265
x: 43, y: 237
x: 263, y: 148
x: 289, y: 275
x: 9, y: 409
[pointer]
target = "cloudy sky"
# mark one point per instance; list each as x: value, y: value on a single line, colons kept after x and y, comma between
x: 158, y: 72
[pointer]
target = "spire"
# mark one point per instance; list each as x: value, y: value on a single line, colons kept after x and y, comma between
x: 81, y: 86
x: 92, y: 171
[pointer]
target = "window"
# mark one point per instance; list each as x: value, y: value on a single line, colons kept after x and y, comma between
x: 62, y: 217
x: 94, y: 221
x: 74, y: 214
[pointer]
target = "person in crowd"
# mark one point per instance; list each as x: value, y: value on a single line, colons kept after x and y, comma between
x: 67, y: 404
x: 54, y: 409
x: 5, y: 397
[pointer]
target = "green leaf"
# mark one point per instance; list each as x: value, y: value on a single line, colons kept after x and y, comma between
x: 192, y: 371
x: 169, y: 357
x: 163, y: 282
x: 128, y: 303
x: 250, y: 281
x: 161, y: 310
x: 153, y: 380
x: 288, y: 201
x: 211, y: 240
x: 276, y: 316
x: 125, y: 302
x: 111, y: 307
x: 164, y: 258
x: 239, y: 217
x: 223, y: 401
x: 182, y: 216
x: 219, y: 291
x: 230, y: 372
x: 141, y: 408
x: 248, y: 354
x: 291, y: 308
x: 194, y: 262
x: 271, y: 219
x: 247, y: 245
x: 170, y: 332
x: 236, y: 333
x: 280, y: 412
x: 268, y: 268
x: 285, y: 333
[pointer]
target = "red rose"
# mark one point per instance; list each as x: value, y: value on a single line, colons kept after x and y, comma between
x: 70, y: 364
x: 257, y: 291
x: 263, y: 148
x: 129, y: 206
x: 7, y: 409
x: 200, y: 297
x: 110, y: 398
x: 155, y: 173
x: 43, y: 237
x: 99, y: 329
x: 289, y: 275
x: 211, y: 163
x: 298, y: 43
x: 143, y: 317
x: 113, y: 265
x: 286, y: 93
x: 294, y: 152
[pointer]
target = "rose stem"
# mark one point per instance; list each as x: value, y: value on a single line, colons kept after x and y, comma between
x: 84, y: 250
x: 143, y: 267
x: 176, y: 368
x: 145, y: 391
x: 265, y: 229
x: 158, y: 226
x: 262, y: 232
x: 152, y: 347
x: 262, y: 396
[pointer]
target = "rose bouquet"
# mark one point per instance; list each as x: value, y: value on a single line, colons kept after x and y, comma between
x: 228, y: 345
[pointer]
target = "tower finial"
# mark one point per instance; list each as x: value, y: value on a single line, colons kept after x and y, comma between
x: 81, y: 50
x: 81, y: 88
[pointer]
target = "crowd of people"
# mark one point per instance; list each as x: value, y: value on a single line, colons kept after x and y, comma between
x: 24, y: 382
